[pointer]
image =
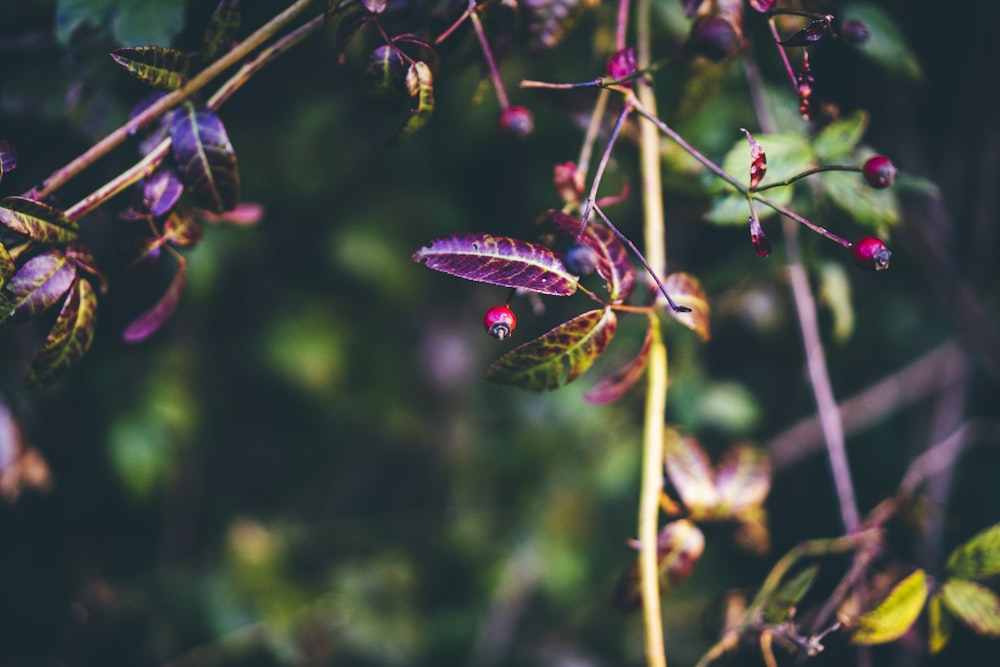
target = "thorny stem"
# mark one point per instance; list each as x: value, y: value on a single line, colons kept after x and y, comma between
x: 488, y: 55
x: 168, y: 101
x: 152, y: 159
x: 809, y: 172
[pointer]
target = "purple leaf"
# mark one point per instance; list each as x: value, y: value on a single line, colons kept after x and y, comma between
x: 182, y: 228
x: 743, y: 480
x: 8, y: 157
x: 150, y: 321
x: 614, y: 386
x: 762, y: 6
x: 813, y: 32
x: 613, y: 263
x: 69, y: 338
x: 222, y: 31
x: 559, y: 356
x: 499, y: 260
x: 39, y: 222
x: 159, y: 66
x: 161, y: 191
x: 678, y: 549
x: 758, y: 239
x: 36, y: 286
x: 205, y: 158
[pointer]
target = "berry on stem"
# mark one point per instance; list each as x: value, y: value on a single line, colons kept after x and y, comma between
x: 517, y: 121
x: 500, y: 321
x: 580, y: 259
x: 714, y: 38
x: 871, y: 254
x: 879, y: 171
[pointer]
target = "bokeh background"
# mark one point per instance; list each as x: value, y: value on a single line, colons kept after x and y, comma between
x: 305, y: 467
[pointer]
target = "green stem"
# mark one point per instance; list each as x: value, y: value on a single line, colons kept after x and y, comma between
x: 809, y: 172
x: 168, y: 101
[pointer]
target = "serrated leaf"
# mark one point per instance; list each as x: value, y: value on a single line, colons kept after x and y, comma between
x: 886, y: 45
x: 975, y: 605
x: 420, y: 84
x: 559, y: 356
x: 222, y: 31
x: 37, y: 285
x: 205, y: 158
x: 70, y: 337
x: 895, y: 614
x: 161, y: 67
x: 161, y: 191
x: 742, y: 479
x: 690, y: 471
x: 838, y: 140
x: 499, y: 260
x: 679, y: 547
x: 182, y: 228
x: 614, y: 386
x: 549, y: 21
x: 8, y: 157
x: 39, y: 222
x: 939, y: 625
x: 686, y: 290
x: 868, y: 206
x: 978, y: 557
x: 150, y: 321
x: 778, y: 607
x: 613, y: 263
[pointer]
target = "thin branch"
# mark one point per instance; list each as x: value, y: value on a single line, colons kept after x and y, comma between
x: 488, y: 55
x: 601, y: 166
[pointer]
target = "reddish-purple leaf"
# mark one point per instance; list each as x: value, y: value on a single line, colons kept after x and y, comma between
x: 499, y: 260
x: 762, y: 6
x: 36, y: 286
x: 810, y: 34
x: 758, y: 239
x: 375, y: 6
x: 80, y: 256
x: 743, y: 480
x: 205, y: 158
x: 678, y: 549
x: 613, y: 263
x: 686, y: 291
x: 222, y: 31
x: 182, y: 228
x: 559, y: 356
x: 161, y: 191
x: 150, y: 321
x: 39, y: 222
x: 69, y: 338
x: 8, y: 157
x: 804, y: 83
x: 691, y: 473
x: 159, y: 66
x: 758, y: 160
x: 614, y: 386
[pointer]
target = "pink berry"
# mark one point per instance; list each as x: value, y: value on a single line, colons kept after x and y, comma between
x: 879, y: 171
x: 871, y: 254
x: 517, y: 121
x: 500, y: 321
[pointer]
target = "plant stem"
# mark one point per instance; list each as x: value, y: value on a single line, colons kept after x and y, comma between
x: 165, y: 103
x: 593, y: 128
x: 601, y: 166
x: 787, y: 212
x: 782, y: 52
x: 809, y: 172
x: 488, y: 55
x: 656, y: 385
x: 621, y: 25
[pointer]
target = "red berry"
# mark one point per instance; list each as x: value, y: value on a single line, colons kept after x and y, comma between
x: 517, y: 121
x: 879, y: 171
x: 714, y: 38
x: 500, y: 321
x: 871, y: 254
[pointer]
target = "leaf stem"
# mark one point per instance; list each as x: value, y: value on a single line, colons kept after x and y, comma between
x: 802, y: 220
x: 488, y: 55
x: 809, y: 172
x: 782, y: 52
x: 168, y: 101
x: 601, y: 166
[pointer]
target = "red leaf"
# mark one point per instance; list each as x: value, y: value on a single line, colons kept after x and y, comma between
x: 758, y: 239
x: 758, y: 160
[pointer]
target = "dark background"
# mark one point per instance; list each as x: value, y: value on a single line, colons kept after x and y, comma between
x: 304, y: 467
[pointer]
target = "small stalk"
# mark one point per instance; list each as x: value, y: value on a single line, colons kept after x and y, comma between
x: 601, y: 166
x: 809, y: 172
x: 488, y: 55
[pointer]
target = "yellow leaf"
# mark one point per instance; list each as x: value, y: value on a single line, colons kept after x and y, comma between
x: 895, y: 614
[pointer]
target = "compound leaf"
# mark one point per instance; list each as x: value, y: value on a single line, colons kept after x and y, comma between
x: 499, y: 260
x: 977, y: 558
x: 559, y: 356
x: 161, y: 67
x: 69, y: 338
x: 894, y: 615
x: 977, y: 606
x: 205, y: 158
x: 36, y: 286
x: 39, y: 222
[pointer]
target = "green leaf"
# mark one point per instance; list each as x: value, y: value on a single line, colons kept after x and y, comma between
x: 39, y: 222
x: 161, y: 67
x: 420, y: 84
x: 867, y: 205
x: 835, y: 293
x: 787, y: 155
x: 69, y: 338
x: 939, y: 625
x: 886, y: 44
x: 686, y: 290
x: 978, y: 557
x: 129, y: 23
x: 975, y: 605
x: 895, y: 614
x: 838, y: 140
x: 205, y: 159
x: 690, y: 471
x: 778, y: 607
x: 559, y: 356
x: 37, y: 286
x: 222, y: 31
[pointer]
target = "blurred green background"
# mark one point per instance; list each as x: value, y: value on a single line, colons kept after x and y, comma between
x: 304, y: 467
